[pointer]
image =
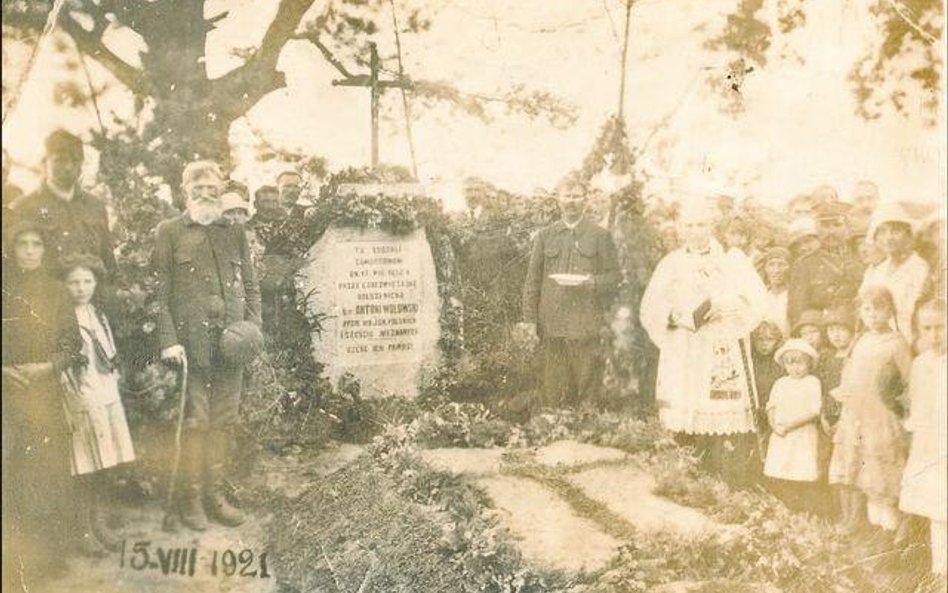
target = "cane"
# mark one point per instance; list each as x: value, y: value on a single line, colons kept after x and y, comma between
x: 170, y: 522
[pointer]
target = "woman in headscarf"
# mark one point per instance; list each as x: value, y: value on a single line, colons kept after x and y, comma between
x: 40, y: 340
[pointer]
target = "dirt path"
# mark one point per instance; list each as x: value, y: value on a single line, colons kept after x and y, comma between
x: 218, y: 560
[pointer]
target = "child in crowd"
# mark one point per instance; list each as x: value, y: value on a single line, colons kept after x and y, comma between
x: 868, y: 445
x: 765, y: 340
x: 925, y: 479
x: 737, y: 235
x: 839, y: 324
x: 95, y: 416
x: 793, y: 410
x: 809, y: 327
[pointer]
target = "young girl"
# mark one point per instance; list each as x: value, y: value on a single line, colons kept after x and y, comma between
x: 99, y: 433
x: 868, y: 446
x: 839, y: 325
x: 765, y: 340
x: 925, y: 479
x: 793, y: 410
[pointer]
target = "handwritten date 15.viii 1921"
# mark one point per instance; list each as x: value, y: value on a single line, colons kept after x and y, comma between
x: 184, y: 561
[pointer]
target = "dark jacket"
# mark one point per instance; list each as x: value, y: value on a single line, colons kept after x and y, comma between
x: 39, y: 323
x: 80, y: 225
x: 823, y: 280
x: 206, y: 281
x: 574, y: 312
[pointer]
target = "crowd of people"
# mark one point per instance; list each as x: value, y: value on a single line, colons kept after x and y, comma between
x: 801, y: 353
x: 813, y: 351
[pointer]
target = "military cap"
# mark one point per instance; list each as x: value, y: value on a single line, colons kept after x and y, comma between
x: 801, y: 228
x: 63, y: 142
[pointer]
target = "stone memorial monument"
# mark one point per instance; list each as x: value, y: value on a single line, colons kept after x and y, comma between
x: 379, y: 292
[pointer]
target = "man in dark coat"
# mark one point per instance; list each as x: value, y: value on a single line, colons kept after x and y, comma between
x: 206, y: 283
x: 570, y: 315
x: 830, y: 276
x: 72, y: 220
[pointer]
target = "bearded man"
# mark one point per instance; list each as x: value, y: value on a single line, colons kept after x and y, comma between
x: 699, y: 308
x: 207, y: 287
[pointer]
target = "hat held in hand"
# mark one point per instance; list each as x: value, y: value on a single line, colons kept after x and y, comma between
x: 241, y: 342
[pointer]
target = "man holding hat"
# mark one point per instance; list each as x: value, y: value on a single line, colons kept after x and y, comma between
x: 73, y: 221
x: 209, y: 318
x: 829, y: 276
x: 903, y: 271
x: 571, y: 280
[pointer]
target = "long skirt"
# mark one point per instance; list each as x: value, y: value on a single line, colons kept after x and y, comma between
x: 36, y: 485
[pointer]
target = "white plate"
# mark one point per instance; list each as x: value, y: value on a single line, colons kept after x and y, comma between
x: 569, y: 279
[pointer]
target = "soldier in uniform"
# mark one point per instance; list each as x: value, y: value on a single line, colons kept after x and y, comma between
x: 72, y: 220
x: 570, y: 320
x: 831, y: 275
x: 207, y: 284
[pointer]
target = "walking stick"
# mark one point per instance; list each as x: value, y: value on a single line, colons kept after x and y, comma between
x: 170, y: 522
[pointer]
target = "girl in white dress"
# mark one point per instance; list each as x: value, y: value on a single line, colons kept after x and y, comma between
x: 793, y: 410
x: 95, y: 416
x: 925, y: 479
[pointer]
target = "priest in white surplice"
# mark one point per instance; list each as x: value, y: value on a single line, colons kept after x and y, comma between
x: 699, y: 308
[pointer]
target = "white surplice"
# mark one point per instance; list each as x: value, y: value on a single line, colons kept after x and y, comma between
x: 704, y: 383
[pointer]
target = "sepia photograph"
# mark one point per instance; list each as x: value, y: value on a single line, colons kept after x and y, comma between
x: 474, y: 296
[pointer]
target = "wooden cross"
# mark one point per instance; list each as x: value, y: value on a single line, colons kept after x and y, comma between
x: 376, y: 86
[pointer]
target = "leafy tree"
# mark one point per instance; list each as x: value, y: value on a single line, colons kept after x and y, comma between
x: 191, y: 113
x: 904, y: 62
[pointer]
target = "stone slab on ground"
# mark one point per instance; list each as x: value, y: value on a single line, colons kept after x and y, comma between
x: 573, y: 453
x: 628, y: 491
x: 473, y: 462
x: 550, y: 534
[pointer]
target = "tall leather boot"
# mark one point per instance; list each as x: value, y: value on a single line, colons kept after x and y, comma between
x: 193, y: 445
x: 216, y: 503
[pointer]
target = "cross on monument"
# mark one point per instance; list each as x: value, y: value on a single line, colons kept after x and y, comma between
x: 376, y: 86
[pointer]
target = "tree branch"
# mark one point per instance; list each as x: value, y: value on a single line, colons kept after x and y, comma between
x: 241, y: 88
x: 313, y: 38
x: 90, y: 43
